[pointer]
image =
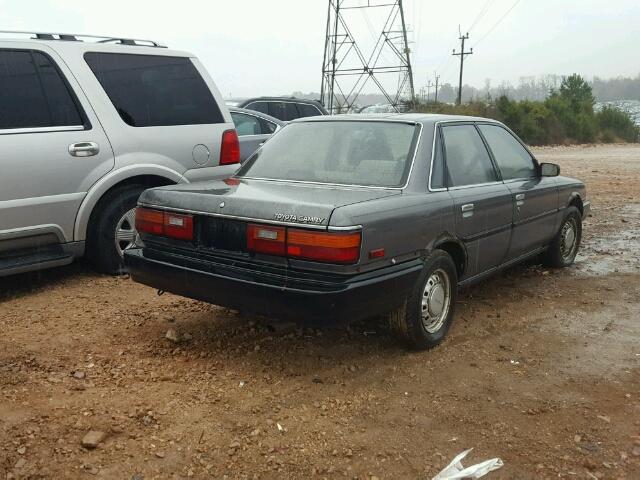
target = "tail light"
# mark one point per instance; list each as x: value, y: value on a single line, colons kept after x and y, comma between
x: 304, y: 244
x: 230, y: 148
x: 166, y: 224
x: 323, y: 247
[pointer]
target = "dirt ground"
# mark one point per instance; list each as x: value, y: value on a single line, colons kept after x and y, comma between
x: 541, y: 368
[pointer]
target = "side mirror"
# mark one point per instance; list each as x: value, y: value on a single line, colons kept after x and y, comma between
x: 549, y: 170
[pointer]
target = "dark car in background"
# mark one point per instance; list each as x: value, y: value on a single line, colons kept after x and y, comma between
x: 282, y: 108
x: 348, y: 217
x: 253, y: 128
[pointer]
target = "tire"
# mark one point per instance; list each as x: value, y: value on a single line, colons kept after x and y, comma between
x: 407, y: 322
x: 560, y: 254
x: 106, y: 218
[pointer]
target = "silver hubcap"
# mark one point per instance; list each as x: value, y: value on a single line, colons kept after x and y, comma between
x: 126, y: 232
x: 436, y: 299
x: 568, y: 237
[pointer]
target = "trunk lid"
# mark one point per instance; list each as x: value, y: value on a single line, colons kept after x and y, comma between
x: 268, y: 201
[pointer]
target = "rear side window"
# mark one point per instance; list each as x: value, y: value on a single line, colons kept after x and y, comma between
x: 307, y: 110
x: 154, y: 90
x: 512, y: 158
x: 246, y: 124
x: 467, y: 159
x: 33, y: 93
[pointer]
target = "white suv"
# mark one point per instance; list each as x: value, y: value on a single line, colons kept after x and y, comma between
x: 86, y: 124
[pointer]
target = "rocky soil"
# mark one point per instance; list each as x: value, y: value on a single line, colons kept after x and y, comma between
x: 101, y: 378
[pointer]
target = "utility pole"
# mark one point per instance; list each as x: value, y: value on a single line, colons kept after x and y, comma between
x: 461, y: 54
x: 429, y: 85
x: 437, y: 80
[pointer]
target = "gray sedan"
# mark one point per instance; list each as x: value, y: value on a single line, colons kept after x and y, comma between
x: 347, y: 217
x: 253, y: 129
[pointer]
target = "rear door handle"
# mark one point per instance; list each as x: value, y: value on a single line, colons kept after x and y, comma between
x: 520, y: 199
x: 84, y: 149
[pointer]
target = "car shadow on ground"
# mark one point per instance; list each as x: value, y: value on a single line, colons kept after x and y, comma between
x: 263, y: 342
x: 21, y: 285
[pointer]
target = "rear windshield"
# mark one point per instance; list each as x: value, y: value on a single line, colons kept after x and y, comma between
x: 338, y: 152
x: 153, y: 90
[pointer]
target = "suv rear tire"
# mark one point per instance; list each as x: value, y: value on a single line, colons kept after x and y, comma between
x: 424, y: 319
x: 106, y: 218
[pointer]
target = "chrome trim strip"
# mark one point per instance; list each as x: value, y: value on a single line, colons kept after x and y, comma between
x: 250, y: 219
x: 12, y: 131
x: 462, y: 187
x: 372, y: 187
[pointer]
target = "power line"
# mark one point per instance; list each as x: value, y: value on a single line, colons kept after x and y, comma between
x: 481, y: 14
x: 495, y: 25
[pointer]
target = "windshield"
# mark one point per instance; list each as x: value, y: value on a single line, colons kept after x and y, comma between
x: 340, y: 152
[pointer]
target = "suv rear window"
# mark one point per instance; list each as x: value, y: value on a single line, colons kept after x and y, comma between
x: 337, y: 152
x: 154, y: 90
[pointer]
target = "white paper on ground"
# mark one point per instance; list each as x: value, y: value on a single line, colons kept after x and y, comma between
x: 456, y: 471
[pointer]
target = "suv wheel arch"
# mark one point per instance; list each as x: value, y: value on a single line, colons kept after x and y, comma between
x: 153, y: 177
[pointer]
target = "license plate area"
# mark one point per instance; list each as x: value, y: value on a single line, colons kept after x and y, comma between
x: 222, y: 234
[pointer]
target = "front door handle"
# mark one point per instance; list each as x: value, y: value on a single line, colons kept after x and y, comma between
x: 84, y: 149
x: 520, y: 199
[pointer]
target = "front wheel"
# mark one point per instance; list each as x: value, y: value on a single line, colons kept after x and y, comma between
x: 424, y: 319
x: 564, y: 247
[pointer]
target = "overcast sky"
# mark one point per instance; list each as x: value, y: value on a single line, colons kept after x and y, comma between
x: 262, y: 47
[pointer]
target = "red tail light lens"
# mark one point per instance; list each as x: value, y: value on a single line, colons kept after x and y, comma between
x: 304, y: 244
x: 266, y: 239
x: 324, y: 247
x: 230, y: 148
x: 149, y: 221
x: 166, y: 224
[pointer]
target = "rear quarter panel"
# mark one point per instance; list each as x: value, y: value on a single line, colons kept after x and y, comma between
x: 406, y: 226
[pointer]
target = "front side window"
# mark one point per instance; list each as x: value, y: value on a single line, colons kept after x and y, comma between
x: 155, y: 90
x: 278, y: 110
x: 33, y: 93
x: 307, y: 110
x: 262, y: 107
x: 246, y: 124
x: 512, y: 158
x: 467, y: 159
x: 337, y: 152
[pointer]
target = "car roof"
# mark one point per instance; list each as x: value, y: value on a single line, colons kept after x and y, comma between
x: 254, y: 113
x: 281, y: 99
x: 424, y: 118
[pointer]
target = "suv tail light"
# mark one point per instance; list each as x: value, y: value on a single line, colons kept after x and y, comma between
x: 230, y: 148
x: 166, y: 224
x: 304, y: 244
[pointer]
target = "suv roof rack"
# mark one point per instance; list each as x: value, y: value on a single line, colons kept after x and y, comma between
x: 78, y: 37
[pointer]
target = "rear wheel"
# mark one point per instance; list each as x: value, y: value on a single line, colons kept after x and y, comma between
x: 112, y: 229
x: 564, y: 247
x: 424, y: 319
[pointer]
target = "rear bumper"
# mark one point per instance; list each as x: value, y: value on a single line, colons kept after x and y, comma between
x: 300, y: 299
x: 586, y: 209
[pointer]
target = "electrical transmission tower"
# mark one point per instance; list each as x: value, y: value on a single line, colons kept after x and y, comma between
x: 348, y: 68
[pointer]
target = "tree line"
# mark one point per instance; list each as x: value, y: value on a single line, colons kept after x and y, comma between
x: 565, y: 115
